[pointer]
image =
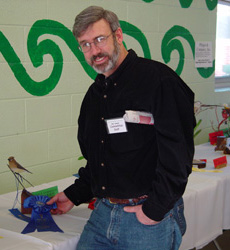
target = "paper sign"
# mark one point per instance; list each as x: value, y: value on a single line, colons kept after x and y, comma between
x: 228, y: 143
x: 50, y: 192
x: 220, y: 162
x: 203, y: 55
x: 138, y: 117
x: 213, y: 136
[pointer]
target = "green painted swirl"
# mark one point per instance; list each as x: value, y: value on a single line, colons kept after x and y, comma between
x: 37, y: 50
x: 137, y: 34
x: 170, y: 43
x: 185, y: 3
x: 148, y: 1
x: 211, y: 4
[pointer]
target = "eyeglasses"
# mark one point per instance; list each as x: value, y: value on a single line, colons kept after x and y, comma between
x: 98, y: 42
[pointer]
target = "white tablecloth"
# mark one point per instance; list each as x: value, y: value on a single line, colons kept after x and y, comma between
x: 207, y: 151
x: 207, y: 212
x: 72, y: 224
x: 207, y: 200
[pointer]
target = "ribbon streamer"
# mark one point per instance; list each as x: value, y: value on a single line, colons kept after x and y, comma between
x: 41, y: 218
x: 19, y: 215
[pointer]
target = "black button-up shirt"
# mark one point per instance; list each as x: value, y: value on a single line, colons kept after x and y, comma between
x: 147, y: 159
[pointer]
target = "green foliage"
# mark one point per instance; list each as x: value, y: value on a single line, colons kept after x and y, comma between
x: 196, y: 132
x: 81, y: 158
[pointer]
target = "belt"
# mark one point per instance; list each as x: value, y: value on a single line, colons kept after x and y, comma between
x: 126, y: 201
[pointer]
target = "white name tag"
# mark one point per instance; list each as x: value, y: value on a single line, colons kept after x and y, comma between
x: 115, y: 126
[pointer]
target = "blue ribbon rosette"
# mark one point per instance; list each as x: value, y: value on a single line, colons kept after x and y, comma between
x: 41, y: 218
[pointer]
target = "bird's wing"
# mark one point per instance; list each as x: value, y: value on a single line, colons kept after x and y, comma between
x: 21, y: 167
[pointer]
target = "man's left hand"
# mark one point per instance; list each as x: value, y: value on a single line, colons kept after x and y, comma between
x: 140, y: 215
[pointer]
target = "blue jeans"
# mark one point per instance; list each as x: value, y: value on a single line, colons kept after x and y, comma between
x: 110, y: 227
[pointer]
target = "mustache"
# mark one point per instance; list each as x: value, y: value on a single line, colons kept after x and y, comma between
x: 98, y: 55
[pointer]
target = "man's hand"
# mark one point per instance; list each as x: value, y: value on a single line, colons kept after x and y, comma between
x: 140, y: 215
x: 63, y: 203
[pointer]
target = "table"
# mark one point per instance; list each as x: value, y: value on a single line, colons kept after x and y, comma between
x: 207, y: 201
x: 72, y: 224
x: 207, y: 206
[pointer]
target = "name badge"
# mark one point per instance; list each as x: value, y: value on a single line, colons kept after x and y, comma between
x: 115, y: 126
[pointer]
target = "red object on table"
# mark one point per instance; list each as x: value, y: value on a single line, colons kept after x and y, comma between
x: 220, y: 162
x: 213, y: 136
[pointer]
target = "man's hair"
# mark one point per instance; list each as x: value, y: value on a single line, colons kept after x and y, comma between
x: 91, y: 15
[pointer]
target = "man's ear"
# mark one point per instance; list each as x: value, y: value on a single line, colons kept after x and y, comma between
x: 119, y: 35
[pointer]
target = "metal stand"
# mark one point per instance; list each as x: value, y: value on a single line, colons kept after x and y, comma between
x: 217, y: 245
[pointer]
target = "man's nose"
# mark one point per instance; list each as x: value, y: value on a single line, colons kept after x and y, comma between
x: 94, y: 49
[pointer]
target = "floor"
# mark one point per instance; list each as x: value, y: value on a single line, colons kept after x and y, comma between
x: 223, y: 242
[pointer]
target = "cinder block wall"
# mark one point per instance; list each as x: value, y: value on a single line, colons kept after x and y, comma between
x: 38, y: 121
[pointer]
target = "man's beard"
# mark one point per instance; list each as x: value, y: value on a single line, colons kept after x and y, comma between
x: 110, y: 64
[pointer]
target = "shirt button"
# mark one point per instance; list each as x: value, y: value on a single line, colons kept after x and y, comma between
x: 102, y: 164
x: 115, y: 84
x: 102, y: 118
x: 103, y: 188
x: 105, y: 96
x: 102, y: 141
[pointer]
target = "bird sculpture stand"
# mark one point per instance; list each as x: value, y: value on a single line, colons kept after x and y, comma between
x: 17, y: 169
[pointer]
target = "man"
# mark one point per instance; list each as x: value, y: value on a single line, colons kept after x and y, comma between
x: 136, y: 133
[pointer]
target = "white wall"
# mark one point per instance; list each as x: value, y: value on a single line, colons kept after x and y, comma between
x: 40, y: 130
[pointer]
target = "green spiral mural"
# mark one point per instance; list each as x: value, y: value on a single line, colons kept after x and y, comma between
x: 171, y: 42
x: 211, y: 4
x: 137, y: 34
x: 148, y: 1
x: 37, y: 50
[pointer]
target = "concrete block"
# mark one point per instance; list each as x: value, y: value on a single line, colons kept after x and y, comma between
x: 66, y: 11
x: 62, y: 143
x: 76, y: 105
x: 73, y: 79
x: 48, y: 112
x: 12, y: 116
x: 76, y: 164
x: 32, y: 148
x: 148, y: 22
x: 51, y: 171
x: 22, y: 12
x: 15, y: 37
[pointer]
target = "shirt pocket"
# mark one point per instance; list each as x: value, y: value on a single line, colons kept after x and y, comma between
x: 137, y: 136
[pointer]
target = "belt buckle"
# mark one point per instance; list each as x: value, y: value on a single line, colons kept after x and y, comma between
x: 111, y: 201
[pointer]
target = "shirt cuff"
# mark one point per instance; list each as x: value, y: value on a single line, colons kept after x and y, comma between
x: 153, y: 211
